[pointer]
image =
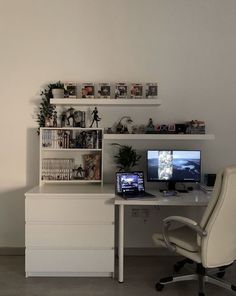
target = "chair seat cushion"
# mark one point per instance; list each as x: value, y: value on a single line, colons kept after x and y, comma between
x: 182, y: 237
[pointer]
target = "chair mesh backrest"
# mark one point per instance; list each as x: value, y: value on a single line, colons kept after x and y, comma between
x: 219, y: 220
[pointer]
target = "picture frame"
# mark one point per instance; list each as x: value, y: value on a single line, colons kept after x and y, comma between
x: 151, y: 90
x: 104, y: 91
x: 87, y: 90
x: 121, y: 91
x: 92, y: 166
x: 70, y: 90
x: 136, y: 91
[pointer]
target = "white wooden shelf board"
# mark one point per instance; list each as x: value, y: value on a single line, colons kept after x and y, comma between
x: 107, y: 102
x: 72, y: 128
x: 157, y: 137
x: 70, y: 181
x: 74, y: 149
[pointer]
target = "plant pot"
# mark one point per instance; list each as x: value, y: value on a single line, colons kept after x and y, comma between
x: 58, y: 93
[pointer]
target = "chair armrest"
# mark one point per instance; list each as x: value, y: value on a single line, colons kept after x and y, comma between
x: 186, y: 221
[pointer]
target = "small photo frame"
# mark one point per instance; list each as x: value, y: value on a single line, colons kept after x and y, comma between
x: 104, y: 90
x: 136, y: 91
x: 87, y: 90
x: 151, y: 90
x: 121, y: 91
x: 70, y: 90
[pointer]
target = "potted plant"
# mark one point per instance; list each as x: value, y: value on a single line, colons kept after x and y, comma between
x: 126, y: 158
x: 57, y: 89
x: 46, y: 110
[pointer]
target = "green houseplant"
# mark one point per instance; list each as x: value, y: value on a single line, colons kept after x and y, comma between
x: 126, y: 157
x: 57, y: 89
x: 46, y: 109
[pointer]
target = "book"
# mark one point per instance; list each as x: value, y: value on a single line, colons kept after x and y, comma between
x: 87, y: 90
x: 121, y: 91
x: 151, y: 90
x: 104, y: 90
x: 136, y: 90
x: 70, y: 90
x: 92, y: 166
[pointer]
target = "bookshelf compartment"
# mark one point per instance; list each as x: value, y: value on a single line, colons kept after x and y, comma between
x: 71, y: 155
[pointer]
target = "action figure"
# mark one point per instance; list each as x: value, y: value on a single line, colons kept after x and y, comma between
x: 79, y: 172
x: 150, y: 127
x: 55, y: 119
x: 96, y: 118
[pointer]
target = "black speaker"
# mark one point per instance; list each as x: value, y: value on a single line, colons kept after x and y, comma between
x: 209, y: 179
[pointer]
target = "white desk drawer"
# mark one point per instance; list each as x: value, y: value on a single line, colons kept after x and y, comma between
x: 62, y: 261
x: 69, y: 236
x: 69, y: 210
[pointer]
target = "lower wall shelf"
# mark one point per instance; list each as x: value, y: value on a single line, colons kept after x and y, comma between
x: 159, y: 137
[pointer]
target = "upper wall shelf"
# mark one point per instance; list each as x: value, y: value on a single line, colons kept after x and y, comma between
x: 107, y: 102
x: 158, y: 137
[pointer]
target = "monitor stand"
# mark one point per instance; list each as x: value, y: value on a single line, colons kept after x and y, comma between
x: 172, y: 189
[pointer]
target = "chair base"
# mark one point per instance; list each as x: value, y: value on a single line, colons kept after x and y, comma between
x: 202, y: 276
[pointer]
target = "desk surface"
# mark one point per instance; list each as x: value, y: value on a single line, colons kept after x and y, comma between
x: 192, y: 198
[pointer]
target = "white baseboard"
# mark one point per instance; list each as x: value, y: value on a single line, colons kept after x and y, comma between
x: 147, y: 252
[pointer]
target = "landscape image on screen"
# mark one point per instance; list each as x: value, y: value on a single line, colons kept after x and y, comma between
x: 174, y: 165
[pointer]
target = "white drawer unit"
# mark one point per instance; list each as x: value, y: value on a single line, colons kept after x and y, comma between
x: 69, y: 230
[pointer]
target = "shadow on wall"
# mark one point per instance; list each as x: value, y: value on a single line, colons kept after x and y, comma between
x: 32, y: 160
x: 12, y: 218
x: 12, y: 202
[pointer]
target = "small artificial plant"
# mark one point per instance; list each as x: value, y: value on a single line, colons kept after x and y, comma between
x: 126, y: 158
x: 47, y: 110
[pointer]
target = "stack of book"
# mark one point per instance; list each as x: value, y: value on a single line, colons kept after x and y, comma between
x: 205, y: 188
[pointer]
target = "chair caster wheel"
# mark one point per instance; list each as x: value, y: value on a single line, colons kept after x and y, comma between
x: 221, y: 274
x: 201, y: 294
x: 159, y: 287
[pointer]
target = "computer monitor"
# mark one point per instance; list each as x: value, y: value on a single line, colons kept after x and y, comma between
x: 173, y: 166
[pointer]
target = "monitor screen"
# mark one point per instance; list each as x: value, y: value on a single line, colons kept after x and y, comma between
x: 127, y: 182
x: 174, y: 165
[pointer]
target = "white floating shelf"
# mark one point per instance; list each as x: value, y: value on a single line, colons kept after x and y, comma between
x: 107, y: 102
x: 72, y: 128
x: 157, y: 137
x: 70, y: 149
x: 69, y: 181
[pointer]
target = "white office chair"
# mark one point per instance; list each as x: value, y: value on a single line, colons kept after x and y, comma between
x: 212, y: 242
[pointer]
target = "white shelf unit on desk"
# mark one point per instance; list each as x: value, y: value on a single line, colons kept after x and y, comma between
x: 107, y: 102
x: 69, y: 230
x: 158, y: 137
x: 59, y: 162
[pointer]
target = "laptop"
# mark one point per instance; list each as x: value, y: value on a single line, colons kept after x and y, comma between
x: 131, y: 185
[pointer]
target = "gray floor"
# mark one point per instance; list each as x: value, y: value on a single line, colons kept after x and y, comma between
x: 140, y: 276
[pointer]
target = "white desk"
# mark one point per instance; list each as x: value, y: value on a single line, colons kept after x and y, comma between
x: 192, y: 198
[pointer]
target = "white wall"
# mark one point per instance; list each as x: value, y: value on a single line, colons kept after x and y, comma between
x: 188, y: 46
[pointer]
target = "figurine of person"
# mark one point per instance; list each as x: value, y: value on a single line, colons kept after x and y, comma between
x: 71, y: 116
x: 150, y: 127
x: 79, y: 172
x: 54, y: 119
x: 96, y: 118
x: 150, y: 124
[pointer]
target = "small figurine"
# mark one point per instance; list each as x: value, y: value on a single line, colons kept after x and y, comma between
x: 54, y: 119
x: 96, y: 118
x: 150, y: 127
x: 79, y: 172
x: 124, y: 126
x: 70, y: 117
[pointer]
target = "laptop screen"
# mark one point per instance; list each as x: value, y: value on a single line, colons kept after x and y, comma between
x: 130, y: 182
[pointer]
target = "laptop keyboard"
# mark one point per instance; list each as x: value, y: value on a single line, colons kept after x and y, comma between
x: 138, y: 195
